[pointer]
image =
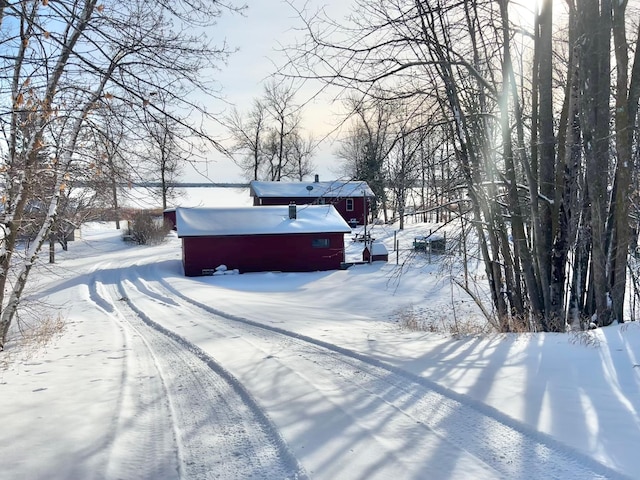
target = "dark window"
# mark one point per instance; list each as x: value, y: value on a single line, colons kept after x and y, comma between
x: 320, y: 243
x: 349, y: 204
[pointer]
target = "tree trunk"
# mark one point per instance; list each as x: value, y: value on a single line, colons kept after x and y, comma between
x: 551, y: 286
x: 623, y: 175
x: 517, y: 223
x: 595, y: 63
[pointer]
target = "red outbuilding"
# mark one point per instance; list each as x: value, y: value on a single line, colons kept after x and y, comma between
x: 169, y: 216
x: 351, y: 199
x: 375, y: 252
x: 271, y: 238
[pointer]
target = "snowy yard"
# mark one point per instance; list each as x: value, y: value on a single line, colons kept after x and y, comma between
x: 307, y: 375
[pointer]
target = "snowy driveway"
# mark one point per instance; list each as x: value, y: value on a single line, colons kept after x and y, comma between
x: 199, y: 393
x: 247, y: 400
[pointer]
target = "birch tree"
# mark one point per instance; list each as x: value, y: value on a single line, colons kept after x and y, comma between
x: 62, y: 60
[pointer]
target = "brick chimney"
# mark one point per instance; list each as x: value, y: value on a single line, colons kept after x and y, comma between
x: 292, y: 211
x: 316, y: 179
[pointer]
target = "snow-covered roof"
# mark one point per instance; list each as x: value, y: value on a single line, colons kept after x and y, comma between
x: 267, y: 220
x: 334, y: 189
x: 378, y: 248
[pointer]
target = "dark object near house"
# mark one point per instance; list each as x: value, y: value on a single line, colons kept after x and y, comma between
x: 375, y: 252
x: 431, y: 243
x: 169, y: 215
x: 362, y: 237
x: 251, y: 239
x: 420, y: 243
x: 351, y: 199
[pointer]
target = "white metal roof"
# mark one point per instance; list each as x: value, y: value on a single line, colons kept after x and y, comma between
x: 335, y: 189
x: 201, y: 222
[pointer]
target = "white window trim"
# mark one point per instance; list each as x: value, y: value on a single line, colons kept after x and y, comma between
x: 350, y: 202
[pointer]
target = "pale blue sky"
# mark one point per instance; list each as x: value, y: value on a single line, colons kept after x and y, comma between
x: 266, y: 27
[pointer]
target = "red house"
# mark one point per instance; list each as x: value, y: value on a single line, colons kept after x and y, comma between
x: 351, y: 199
x: 271, y: 238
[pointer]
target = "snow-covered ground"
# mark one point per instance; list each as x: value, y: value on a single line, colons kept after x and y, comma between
x: 301, y: 375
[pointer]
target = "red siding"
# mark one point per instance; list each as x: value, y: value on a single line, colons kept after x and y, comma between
x: 340, y: 205
x: 262, y: 253
x: 358, y: 211
x: 367, y: 257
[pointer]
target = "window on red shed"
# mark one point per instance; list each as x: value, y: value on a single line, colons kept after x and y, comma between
x: 320, y: 243
x: 349, y: 204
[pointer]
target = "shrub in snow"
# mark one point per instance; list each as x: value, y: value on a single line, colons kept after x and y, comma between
x: 145, y: 229
x: 586, y: 338
x: 221, y: 268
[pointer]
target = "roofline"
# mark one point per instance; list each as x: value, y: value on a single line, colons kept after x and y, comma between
x: 245, y: 234
x: 252, y: 193
x: 338, y: 226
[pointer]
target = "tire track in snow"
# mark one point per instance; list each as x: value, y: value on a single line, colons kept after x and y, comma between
x: 144, y: 427
x: 379, y: 458
x: 222, y: 431
x: 507, y: 445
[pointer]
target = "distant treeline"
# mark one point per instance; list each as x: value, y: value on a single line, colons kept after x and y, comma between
x: 192, y: 185
x: 177, y: 185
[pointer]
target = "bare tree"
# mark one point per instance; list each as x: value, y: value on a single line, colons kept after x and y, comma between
x: 520, y: 151
x: 300, y: 151
x: 627, y: 94
x: 368, y: 144
x: 269, y: 140
x: 166, y: 150
x: 53, y: 81
x: 110, y: 162
x: 403, y: 161
x: 279, y: 102
x: 248, y: 136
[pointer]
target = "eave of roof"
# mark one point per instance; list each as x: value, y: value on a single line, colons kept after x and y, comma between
x: 334, y: 189
x: 266, y: 220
